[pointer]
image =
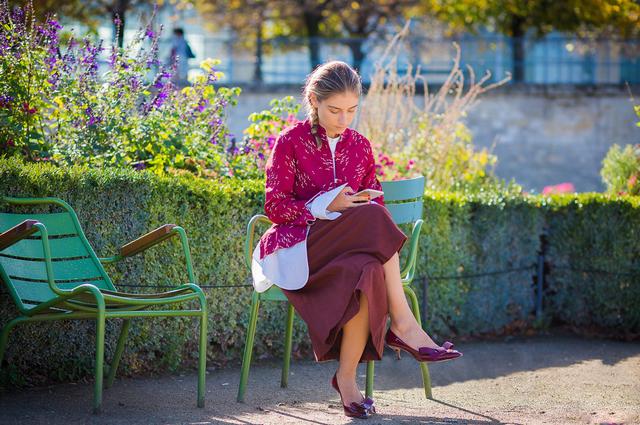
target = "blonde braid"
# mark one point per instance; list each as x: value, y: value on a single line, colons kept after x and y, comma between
x: 315, y: 122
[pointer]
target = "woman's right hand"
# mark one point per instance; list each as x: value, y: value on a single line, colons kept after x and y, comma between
x: 346, y: 199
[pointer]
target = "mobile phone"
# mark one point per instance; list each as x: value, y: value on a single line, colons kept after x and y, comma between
x: 371, y: 192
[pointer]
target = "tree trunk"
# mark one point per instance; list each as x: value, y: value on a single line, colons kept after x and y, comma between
x: 355, y: 44
x: 517, y: 49
x: 257, y: 70
x: 312, y: 22
x: 118, y: 16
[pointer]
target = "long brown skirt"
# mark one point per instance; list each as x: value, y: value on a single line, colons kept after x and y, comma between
x: 345, y: 258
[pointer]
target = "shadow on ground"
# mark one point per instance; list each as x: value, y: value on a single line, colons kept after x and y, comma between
x: 552, y: 379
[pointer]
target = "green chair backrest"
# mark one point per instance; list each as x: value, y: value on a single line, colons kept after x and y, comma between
x: 22, y: 265
x: 403, y: 199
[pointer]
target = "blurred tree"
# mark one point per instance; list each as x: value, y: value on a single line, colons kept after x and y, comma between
x: 256, y: 19
x: 65, y: 10
x: 247, y: 19
x: 360, y: 19
x: 517, y: 18
x: 118, y: 9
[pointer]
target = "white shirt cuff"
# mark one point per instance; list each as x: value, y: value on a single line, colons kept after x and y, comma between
x: 318, y: 206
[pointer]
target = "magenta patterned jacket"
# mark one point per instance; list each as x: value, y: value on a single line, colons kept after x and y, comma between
x: 297, y: 171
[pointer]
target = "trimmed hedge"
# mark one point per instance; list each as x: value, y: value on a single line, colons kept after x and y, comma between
x: 462, y: 235
x: 594, y: 262
x: 472, y: 235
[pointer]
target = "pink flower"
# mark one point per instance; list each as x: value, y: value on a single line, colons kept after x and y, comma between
x: 632, y: 181
x: 559, y: 188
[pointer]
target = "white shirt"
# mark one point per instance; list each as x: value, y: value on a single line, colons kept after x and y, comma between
x: 288, y: 268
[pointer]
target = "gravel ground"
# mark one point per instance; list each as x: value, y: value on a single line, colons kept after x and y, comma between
x: 535, y: 380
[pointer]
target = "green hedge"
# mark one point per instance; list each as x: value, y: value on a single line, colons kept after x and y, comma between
x: 594, y: 262
x: 472, y: 235
x: 462, y: 235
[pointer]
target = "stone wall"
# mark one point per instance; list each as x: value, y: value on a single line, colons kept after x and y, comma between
x: 542, y: 136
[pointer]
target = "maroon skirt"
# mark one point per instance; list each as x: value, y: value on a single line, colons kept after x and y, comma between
x: 345, y: 258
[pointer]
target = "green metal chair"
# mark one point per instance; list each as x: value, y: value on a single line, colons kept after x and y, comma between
x: 403, y: 199
x: 57, y: 276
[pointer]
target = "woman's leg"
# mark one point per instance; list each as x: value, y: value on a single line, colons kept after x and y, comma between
x: 355, y: 334
x: 403, y: 323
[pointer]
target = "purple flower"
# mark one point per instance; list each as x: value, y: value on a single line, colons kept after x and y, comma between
x: 215, y: 123
x: 93, y: 120
x: 134, y: 83
x: 270, y: 141
x: 140, y: 166
x: 149, y: 33
x: 158, y: 83
x: 202, y: 105
x: 53, y: 24
x: 117, y: 21
x: 5, y: 101
x: 113, y: 57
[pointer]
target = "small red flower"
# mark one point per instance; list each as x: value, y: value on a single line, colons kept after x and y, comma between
x: 28, y: 109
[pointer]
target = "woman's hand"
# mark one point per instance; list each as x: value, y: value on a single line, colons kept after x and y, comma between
x: 346, y: 199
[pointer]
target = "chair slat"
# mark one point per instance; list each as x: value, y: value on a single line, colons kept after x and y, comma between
x: 84, y: 268
x: 60, y: 248
x: 56, y: 223
x: 407, y: 212
x: 40, y: 291
x: 273, y: 294
x: 401, y: 190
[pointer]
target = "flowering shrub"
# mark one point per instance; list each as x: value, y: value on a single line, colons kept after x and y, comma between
x: 57, y: 105
x: 262, y: 133
x: 429, y: 139
x: 621, y: 170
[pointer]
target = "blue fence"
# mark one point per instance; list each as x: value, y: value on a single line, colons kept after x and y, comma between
x: 553, y: 59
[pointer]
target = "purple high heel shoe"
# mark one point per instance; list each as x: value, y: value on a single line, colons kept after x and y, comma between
x: 362, y: 410
x: 422, y: 354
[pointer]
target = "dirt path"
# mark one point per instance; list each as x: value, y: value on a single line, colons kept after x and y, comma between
x: 540, y: 380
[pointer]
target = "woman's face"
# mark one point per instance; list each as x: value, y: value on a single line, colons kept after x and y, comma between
x: 336, y: 112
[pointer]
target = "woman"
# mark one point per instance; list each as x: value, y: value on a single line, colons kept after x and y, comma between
x: 335, y: 253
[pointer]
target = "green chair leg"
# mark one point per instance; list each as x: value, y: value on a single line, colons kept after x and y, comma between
x: 369, y: 386
x: 248, y: 346
x: 202, y: 354
x: 97, y: 396
x: 118, y: 354
x: 288, y: 337
x: 426, y: 378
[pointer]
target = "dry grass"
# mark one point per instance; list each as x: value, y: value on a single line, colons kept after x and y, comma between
x: 429, y: 131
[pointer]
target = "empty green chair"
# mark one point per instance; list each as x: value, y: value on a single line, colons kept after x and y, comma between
x: 52, y: 273
x: 403, y: 199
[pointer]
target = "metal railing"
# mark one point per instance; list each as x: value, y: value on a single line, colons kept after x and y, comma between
x: 553, y: 59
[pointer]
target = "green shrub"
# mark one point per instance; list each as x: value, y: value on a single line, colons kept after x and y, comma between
x: 470, y: 235
x: 463, y: 235
x: 57, y: 104
x: 621, y: 170
x: 594, y: 259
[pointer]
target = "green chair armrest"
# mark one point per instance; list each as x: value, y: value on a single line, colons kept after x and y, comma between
x: 251, y: 233
x: 17, y: 233
x: 408, y: 270
x: 153, y: 238
x: 148, y: 240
